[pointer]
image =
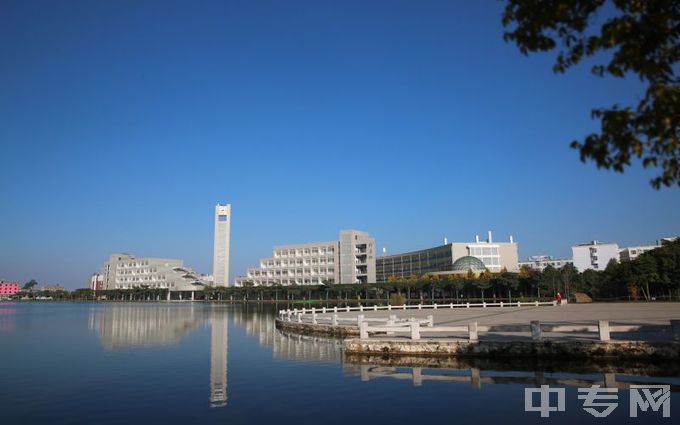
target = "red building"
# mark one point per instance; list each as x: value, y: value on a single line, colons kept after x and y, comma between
x: 8, y: 288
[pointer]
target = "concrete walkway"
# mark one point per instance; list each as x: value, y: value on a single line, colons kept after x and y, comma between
x: 571, y: 314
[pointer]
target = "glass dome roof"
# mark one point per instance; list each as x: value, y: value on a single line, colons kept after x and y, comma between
x: 463, y: 264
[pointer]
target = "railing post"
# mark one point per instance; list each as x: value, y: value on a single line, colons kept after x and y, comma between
x: 536, y: 303
x: 404, y: 307
x: 334, y: 320
x: 451, y: 305
x: 472, y: 331
x: 603, y: 328
x: 347, y: 309
x: 375, y: 308
x: 299, y: 318
x: 389, y: 307
x: 435, y: 306
x: 467, y: 304
x: 535, y: 330
x: 360, y: 318
x: 314, y: 318
x: 303, y: 310
x: 335, y: 309
x: 415, y: 330
x: 323, y: 309
x: 675, y: 328
x: 484, y: 304
x: 363, y: 330
x: 361, y: 307
x: 501, y: 304
x: 519, y: 304
x: 430, y: 321
x: 420, y: 306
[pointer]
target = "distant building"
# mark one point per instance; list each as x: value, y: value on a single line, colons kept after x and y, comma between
x: 96, y: 282
x: 221, y: 245
x: 124, y: 271
x: 8, y: 288
x: 53, y: 288
x: 540, y: 262
x: 594, y: 255
x: 496, y: 257
x: 664, y: 241
x: 630, y: 253
x: 351, y: 259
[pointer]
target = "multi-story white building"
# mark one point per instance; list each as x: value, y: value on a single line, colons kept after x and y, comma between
x: 594, y: 255
x: 351, y: 259
x: 221, y: 245
x: 540, y: 262
x: 124, y: 271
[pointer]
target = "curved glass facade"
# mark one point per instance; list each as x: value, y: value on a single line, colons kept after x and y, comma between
x: 463, y: 264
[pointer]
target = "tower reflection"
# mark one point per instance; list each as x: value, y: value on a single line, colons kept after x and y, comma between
x: 219, y: 342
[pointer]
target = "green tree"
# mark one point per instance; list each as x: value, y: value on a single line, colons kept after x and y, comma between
x: 641, y: 37
x: 30, y: 285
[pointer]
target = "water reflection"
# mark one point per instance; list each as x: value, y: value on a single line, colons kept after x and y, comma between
x: 219, y: 341
x: 127, y: 326
x: 260, y: 324
x: 130, y: 326
x: 478, y: 372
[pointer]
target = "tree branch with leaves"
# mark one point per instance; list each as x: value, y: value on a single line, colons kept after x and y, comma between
x: 642, y: 38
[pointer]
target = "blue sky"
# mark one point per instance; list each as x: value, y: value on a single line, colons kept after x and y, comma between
x: 123, y: 123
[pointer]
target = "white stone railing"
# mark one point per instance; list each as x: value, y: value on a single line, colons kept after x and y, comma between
x: 292, y: 314
x: 413, y: 329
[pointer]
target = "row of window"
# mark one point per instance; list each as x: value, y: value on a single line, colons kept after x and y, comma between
x: 138, y: 271
x: 294, y: 272
x: 323, y: 250
x: 152, y: 285
x: 140, y: 279
x: 298, y: 262
x: 298, y: 281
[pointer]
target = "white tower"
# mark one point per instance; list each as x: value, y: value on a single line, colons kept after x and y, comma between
x: 221, y: 245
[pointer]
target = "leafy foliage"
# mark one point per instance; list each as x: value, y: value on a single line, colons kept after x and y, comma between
x: 643, y: 38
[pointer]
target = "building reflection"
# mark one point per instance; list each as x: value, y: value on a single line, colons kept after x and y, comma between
x: 219, y: 341
x: 260, y: 323
x: 122, y: 327
x: 126, y: 326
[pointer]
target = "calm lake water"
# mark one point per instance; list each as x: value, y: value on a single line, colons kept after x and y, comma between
x: 106, y: 363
